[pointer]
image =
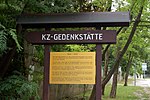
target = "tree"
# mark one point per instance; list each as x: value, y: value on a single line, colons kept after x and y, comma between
x: 118, y: 59
x: 128, y: 68
x: 125, y: 47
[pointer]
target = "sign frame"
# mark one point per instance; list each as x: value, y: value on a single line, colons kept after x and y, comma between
x: 72, y: 20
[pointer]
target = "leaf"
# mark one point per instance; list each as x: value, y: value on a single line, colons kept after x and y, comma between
x: 14, y: 36
x: 2, y: 27
x: 18, y: 87
x: 3, y: 42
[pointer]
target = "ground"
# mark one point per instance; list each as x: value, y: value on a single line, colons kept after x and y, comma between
x: 143, y: 94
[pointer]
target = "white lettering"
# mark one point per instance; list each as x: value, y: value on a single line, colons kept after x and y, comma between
x: 43, y: 37
x: 67, y: 38
x: 71, y: 36
x: 48, y: 37
x: 55, y: 37
x: 96, y: 36
x: 76, y: 36
x: 80, y: 36
x: 88, y: 37
x: 92, y: 36
x: 63, y: 37
x: 100, y: 36
x: 84, y: 36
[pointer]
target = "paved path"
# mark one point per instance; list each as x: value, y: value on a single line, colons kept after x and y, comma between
x: 143, y: 82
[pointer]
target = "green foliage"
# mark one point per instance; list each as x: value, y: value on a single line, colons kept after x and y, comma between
x: 73, y: 48
x: 9, y: 9
x: 102, y: 5
x: 48, y: 6
x: 17, y: 87
x: 38, y: 56
x: 37, y: 7
x: 3, y: 39
x: 61, y: 5
x: 140, y: 42
x: 12, y: 32
x: 4, y: 34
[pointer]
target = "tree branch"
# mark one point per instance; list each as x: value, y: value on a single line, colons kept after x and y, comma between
x: 104, y: 52
x: 118, y: 59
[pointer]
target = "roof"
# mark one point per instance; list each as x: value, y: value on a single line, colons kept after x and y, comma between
x: 84, y: 19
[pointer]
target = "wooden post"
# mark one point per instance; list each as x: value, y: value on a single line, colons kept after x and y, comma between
x: 46, y: 72
x: 98, y: 71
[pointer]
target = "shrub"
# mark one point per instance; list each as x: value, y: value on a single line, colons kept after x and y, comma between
x: 17, y: 87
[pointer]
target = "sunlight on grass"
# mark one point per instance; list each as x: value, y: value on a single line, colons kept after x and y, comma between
x: 123, y: 93
x: 130, y: 81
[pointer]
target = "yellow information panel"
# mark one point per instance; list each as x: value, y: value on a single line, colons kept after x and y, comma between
x: 72, y: 68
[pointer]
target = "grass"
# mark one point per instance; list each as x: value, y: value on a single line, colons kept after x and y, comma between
x: 130, y: 81
x: 123, y: 93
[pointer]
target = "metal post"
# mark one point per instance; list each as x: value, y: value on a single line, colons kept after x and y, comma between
x: 134, y: 76
x: 143, y: 74
x: 46, y: 72
x: 98, y: 71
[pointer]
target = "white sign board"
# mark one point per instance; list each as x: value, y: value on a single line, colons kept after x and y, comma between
x: 144, y: 66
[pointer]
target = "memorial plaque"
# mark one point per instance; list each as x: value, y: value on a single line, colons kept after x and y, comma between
x: 72, y: 68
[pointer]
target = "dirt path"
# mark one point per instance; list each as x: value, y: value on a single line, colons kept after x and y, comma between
x: 143, y: 94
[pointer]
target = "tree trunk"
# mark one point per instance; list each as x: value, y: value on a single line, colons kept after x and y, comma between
x: 6, y: 60
x: 127, y: 69
x: 115, y: 76
x: 106, y: 63
x: 103, y: 90
x: 92, y: 96
x: 105, y: 68
x: 114, y: 84
x: 107, y: 47
x: 28, y: 55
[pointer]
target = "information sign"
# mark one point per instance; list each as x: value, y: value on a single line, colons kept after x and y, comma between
x: 72, y: 68
x: 144, y: 66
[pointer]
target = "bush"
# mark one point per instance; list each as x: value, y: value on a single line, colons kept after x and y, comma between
x: 17, y: 87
